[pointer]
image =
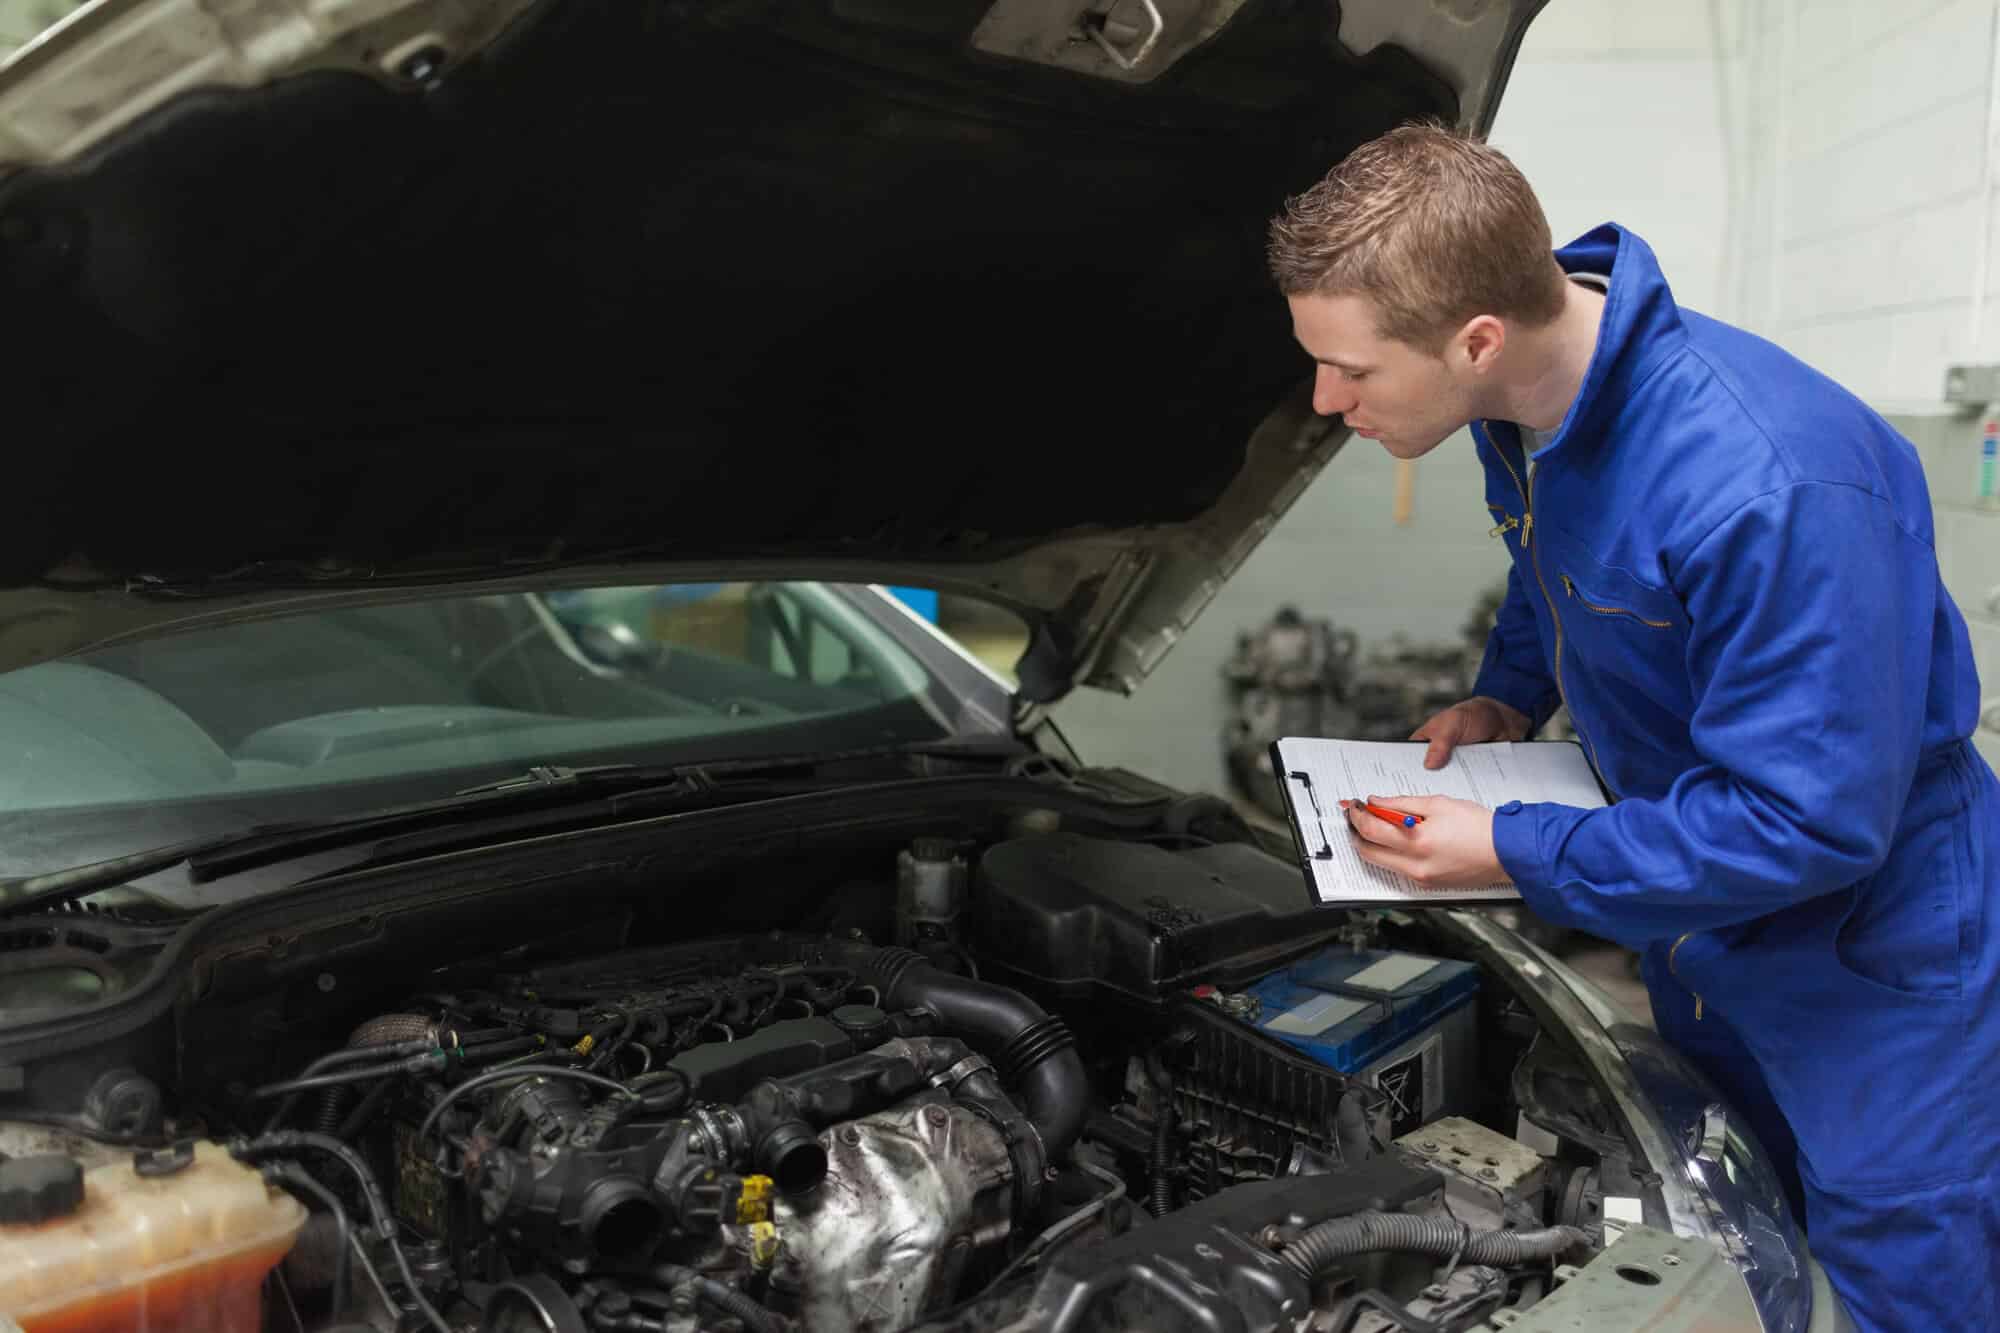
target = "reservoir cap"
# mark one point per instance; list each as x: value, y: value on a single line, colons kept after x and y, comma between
x: 40, y: 1189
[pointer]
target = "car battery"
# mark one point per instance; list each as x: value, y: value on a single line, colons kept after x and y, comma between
x: 1404, y: 1023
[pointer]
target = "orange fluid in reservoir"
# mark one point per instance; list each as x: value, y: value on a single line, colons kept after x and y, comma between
x: 223, y: 1297
x: 180, y: 1253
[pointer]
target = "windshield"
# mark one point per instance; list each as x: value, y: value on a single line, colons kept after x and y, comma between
x: 348, y: 710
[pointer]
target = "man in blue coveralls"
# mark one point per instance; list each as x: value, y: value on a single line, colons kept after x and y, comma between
x: 1723, y: 564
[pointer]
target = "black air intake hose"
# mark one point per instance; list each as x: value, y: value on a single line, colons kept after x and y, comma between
x: 1032, y: 1050
x: 1439, y: 1237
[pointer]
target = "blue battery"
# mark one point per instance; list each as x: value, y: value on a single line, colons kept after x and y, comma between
x: 1348, y: 1007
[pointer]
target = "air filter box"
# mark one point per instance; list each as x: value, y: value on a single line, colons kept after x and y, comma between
x: 1070, y: 913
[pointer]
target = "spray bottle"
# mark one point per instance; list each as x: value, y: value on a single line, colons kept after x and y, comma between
x: 1989, y: 460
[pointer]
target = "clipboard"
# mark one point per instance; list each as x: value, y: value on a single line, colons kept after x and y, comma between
x: 1316, y: 773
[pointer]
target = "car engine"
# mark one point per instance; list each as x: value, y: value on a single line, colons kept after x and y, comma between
x: 1055, y: 1081
x: 804, y: 1120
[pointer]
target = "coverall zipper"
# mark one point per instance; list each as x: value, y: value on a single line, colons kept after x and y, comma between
x: 1527, y: 494
x: 1671, y: 953
x: 1569, y: 586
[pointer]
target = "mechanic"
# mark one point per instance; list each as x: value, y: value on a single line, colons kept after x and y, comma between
x: 1723, y: 564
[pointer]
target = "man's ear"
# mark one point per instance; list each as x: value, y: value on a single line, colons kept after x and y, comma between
x: 1479, y: 343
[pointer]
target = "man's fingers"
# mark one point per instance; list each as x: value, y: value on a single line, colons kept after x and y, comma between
x: 1447, y: 722
x: 1444, y: 731
x: 1375, y: 828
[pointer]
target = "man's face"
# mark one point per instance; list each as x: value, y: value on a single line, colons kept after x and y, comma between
x: 1407, y: 399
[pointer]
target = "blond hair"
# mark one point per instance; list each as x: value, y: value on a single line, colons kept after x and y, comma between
x: 1432, y: 226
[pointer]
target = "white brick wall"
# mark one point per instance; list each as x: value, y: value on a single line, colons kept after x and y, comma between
x: 1613, y: 113
x: 1862, y: 158
x: 1861, y: 155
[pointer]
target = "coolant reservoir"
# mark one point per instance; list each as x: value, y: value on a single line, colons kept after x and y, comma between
x: 175, y: 1249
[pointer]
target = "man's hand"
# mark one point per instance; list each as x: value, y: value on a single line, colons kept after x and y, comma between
x: 1469, y: 723
x: 1451, y: 849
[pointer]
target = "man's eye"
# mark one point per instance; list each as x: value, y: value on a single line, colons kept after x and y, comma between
x: 1354, y: 376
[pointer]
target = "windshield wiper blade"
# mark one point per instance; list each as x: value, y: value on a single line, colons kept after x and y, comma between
x: 508, y: 799
x: 544, y: 786
x: 619, y: 789
x: 543, y: 777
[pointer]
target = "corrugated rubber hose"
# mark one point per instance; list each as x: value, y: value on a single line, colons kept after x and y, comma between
x: 1161, y: 1195
x: 1440, y: 1237
x: 332, y: 1104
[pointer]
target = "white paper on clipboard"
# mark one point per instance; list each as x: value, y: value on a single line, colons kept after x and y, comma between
x: 1317, y: 774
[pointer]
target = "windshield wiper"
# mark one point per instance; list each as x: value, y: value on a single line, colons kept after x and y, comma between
x: 542, y: 777
x: 614, y: 790
x: 547, y: 794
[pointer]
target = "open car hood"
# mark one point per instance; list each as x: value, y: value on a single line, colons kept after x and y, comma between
x: 378, y: 298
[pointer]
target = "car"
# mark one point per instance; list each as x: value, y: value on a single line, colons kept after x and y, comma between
x: 483, y: 848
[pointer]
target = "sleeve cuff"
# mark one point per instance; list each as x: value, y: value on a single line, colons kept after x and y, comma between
x: 1514, y: 842
x: 1517, y: 841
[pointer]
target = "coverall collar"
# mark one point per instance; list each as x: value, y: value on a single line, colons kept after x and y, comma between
x: 1640, y: 328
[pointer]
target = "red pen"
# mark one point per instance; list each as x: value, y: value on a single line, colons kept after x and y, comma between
x: 1396, y: 817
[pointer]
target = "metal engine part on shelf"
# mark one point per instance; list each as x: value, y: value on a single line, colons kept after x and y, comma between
x: 1289, y: 678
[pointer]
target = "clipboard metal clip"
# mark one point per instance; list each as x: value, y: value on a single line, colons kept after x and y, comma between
x: 1304, y: 779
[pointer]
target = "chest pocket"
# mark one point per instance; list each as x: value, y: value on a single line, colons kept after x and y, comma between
x: 1624, y: 642
x: 1631, y: 608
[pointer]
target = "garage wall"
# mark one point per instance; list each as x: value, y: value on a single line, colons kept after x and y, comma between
x: 1868, y: 223
x: 1615, y: 113
x: 1867, y: 189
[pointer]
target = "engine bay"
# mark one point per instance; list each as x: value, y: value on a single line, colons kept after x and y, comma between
x: 1045, y: 1080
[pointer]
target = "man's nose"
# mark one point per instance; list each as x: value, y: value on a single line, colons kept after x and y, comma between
x: 1330, y: 394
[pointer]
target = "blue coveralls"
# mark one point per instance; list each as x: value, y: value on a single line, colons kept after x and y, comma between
x: 1723, y: 563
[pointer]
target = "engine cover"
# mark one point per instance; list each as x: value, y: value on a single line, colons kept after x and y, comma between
x: 1073, y: 914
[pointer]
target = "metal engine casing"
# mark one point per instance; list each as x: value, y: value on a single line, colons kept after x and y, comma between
x: 910, y: 1194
